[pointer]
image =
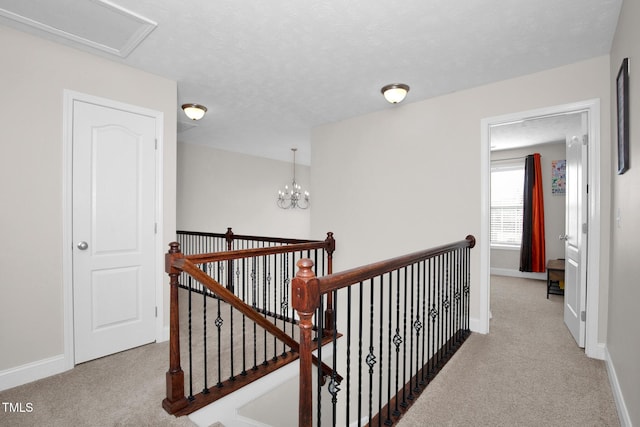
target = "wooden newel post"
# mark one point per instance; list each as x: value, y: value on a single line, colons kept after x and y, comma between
x: 305, y: 300
x: 176, y: 399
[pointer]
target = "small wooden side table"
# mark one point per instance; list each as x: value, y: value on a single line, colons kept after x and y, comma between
x: 555, y: 275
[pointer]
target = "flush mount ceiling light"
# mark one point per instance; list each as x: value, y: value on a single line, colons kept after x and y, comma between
x: 194, y: 111
x: 395, y: 93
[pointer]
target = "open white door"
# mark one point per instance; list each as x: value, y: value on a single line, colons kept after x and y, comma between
x: 575, y: 237
x: 113, y: 230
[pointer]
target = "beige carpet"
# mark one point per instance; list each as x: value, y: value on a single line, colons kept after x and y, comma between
x: 125, y: 389
x: 527, y: 372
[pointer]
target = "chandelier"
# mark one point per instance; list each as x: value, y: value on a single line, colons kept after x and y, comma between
x: 293, y: 197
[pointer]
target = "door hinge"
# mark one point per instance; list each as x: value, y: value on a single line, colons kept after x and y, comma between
x: 156, y: 143
x: 157, y: 311
x: 583, y: 315
x: 585, y: 228
x: 155, y: 228
x: 585, y: 139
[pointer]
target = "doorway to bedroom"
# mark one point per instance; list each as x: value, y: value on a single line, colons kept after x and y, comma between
x: 509, y: 139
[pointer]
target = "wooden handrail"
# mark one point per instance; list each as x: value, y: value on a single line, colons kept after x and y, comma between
x: 248, y: 253
x: 332, y: 282
x: 229, y: 235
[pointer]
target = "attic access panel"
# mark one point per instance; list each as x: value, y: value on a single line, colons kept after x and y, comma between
x: 99, y: 24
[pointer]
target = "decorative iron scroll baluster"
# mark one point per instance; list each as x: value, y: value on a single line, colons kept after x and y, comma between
x: 425, y: 337
x: 410, y: 331
x: 397, y: 340
x: 404, y: 343
x: 371, y: 358
x: 254, y: 292
x: 388, y: 420
x: 334, y: 383
x: 264, y: 304
x: 380, y: 344
x: 218, y: 323
x: 417, y: 325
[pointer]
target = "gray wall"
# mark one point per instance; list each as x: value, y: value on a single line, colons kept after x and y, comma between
x: 219, y: 189
x: 623, y: 343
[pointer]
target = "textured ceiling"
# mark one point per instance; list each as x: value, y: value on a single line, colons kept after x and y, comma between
x: 269, y: 71
x: 536, y: 131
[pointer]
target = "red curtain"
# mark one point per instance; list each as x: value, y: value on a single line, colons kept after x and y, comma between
x: 532, y: 250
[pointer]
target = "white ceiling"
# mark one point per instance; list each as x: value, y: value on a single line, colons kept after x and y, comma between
x: 535, y: 131
x: 269, y: 71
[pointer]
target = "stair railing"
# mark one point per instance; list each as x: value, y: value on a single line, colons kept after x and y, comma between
x: 253, y: 298
x: 401, y: 320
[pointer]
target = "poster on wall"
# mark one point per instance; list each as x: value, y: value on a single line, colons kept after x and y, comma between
x: 558, y: 177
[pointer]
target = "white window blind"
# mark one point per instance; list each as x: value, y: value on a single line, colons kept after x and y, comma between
x: 507, y: 184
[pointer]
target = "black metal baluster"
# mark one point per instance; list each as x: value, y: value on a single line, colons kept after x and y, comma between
x: 412, y: 326
x: 254, y: 291
x: 218, y: 322
x: 334, y: 385
x: 320, y: 374
x: 447, y: 304
x: 371, y: 358
x: 232, y: 376
x: 433, y: 312
x: 190, y: 342
x: 380, y: 349
x: 205, y: 390
x: 397, y: 340
x: 263, y: 306
x: 456, y: 296
x: 360, y: 308
x: 348, y: 343
x: 274, y: 310
x: 466, y: 288
x: 417, y: 326
x: 440, y: 308
x: 284, y: 278
x: 404, y: 403
x: 244, y: 318
x: 425, y: 335
x: 388, y: 421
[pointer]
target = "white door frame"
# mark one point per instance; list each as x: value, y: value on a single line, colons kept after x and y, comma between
x: 67, y: 209
x: 592, y: 347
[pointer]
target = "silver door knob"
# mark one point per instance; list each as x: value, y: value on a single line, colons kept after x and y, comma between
x: 563, y: 237
x: 83, y: 246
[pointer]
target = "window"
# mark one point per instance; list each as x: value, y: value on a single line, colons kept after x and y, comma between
x: 507, y: 183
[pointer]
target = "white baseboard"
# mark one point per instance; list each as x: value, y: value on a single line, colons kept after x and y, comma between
x: 29, y: 372
x: 596, y: 351
x: 516, y: 273
x: 474, y: 325
x: 623, y: 412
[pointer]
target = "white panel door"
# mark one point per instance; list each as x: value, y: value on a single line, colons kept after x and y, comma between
x: 575, y: 237
x: 113, y: 230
